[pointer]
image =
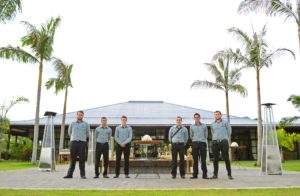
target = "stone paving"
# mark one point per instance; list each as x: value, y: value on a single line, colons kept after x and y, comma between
x: 243, y: 178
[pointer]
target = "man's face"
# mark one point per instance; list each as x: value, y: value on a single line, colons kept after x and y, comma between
x: 178, y: 121
x: 218, y: 115
x: 197, y: 119
x: 103, y: 122
x: 79, y: 116
x: 123, y: 121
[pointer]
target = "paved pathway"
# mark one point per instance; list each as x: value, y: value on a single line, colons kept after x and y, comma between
x: 249, y: 178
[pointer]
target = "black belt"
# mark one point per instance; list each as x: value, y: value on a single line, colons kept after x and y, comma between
x: 177, y: 142
x: 218, y: 141
x: 77, y: 141
x: 102, y: 143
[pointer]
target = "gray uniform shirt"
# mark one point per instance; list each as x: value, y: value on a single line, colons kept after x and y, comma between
x: 181, y: 136
x: 103, y: 134
x: 199, y: 132
x: 123, y: 135
x: 79, y: 131
x: 220, y: 130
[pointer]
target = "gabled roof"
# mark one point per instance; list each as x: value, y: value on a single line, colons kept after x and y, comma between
x: 142, y: 113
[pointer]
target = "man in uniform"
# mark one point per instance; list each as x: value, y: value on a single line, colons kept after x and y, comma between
x: 79, y: 133
x: 178, y: 136
x: 221, y: 133
x: 198, y: 134
x: 123, y: 137
x: 103, y: 134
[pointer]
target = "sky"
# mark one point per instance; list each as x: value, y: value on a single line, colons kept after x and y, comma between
x: 146, y: 50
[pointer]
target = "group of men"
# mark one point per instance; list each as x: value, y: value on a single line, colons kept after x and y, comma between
x: 178, y: 136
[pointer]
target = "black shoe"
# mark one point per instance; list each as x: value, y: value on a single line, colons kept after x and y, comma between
x: 214, y: 177
x: 194, y: 177
x: 205, y: 177
x: 96, y: 176
x: 116, y: 176
x: 173, y: 177
x: 67, y: 176
x: 105, y: 176
x: 183, y: 177
x: 127, y: 176
x: 83, y: 177
x: 230, y: 177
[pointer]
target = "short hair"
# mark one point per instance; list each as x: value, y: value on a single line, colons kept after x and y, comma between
x: 103, y: 118
x: 124, y: 117
x: 197, y: 114
x: 217, y: 111
x: 179, y: 117
x: 80, y: 111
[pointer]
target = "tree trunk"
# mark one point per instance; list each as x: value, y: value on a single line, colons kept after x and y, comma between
x: 8, y: 146
x: 259, y: 120
x: 228, y: 120
x: 0, y: 141
x: 62, y: 130
x: 37, y: 116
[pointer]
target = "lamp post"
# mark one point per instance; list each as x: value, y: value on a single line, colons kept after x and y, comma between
x: 47, y: 157
x: 271, y: 160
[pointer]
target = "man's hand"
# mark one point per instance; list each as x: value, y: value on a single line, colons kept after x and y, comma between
x: 123, y: 145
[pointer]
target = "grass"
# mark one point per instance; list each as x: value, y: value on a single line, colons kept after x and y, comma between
x: 223, y: 192
x: 15, y: 165
x: 291, y: 165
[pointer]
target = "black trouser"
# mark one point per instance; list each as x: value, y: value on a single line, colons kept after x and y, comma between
x: 178, y: 148
x: 101, y: 148
x: 223, y: 146
x: 77, y: 149
x: 199, y: 149
x: 126, y: 152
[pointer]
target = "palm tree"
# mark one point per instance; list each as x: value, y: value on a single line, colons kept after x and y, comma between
x: 295, y: 99
x: 9, y: 9
x: 225, y: 80
x: 40, y: 42
x: 286, y: 9
x: 4, y: 120
x: 256, y: 56
x: 62, y: 82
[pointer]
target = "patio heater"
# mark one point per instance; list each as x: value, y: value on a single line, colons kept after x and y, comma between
x: 271, y: 159
x: 47, y: 157
x: 91, y: 147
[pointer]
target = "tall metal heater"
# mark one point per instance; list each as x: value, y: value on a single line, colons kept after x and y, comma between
x: 271, y: 159
x: 47, y: 157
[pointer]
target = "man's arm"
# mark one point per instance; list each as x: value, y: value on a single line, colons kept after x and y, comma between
x: 117, y: 135
x: 128, y: 140
x: 191, y: 132
x: 186, y: 135
x: 109, y: 133
x: 88, y: 131
x: 205, y: 132
x: 70, y: 130
x: 170, y: 133
x: 228, y: 130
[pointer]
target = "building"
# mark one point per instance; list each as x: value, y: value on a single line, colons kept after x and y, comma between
x: 153, y: 118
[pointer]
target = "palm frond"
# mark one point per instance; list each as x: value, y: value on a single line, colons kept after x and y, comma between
x: 247, y: 6
x: 238, y: 88
x: 241, y: 36
x: 206, y: 84
x: 282, y: 9
x: 17, y: 54
x: 9, y: 9
x: 295, y: 99
x: 213, y: 69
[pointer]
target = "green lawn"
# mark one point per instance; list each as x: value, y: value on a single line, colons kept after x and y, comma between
x: 15, y: 165
x: 291, y: 165
x: 256, y: 192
